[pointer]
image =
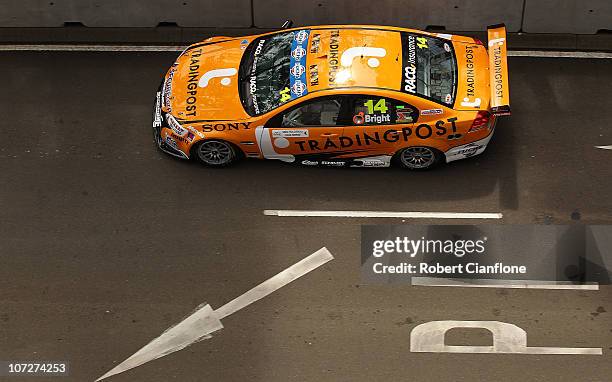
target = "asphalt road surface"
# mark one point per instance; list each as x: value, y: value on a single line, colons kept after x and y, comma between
x: 105, y: 242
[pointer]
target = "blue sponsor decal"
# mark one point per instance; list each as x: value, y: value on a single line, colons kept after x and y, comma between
x: 297, y: 67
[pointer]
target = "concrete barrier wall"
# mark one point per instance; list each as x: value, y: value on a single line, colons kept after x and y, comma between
x: 567, y: 16
x: 458, y: 15
x: 540, y: 16
x: 125, y: 13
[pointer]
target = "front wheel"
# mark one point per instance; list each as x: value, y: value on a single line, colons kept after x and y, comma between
x: 419, y: 158
x: 215, y: 153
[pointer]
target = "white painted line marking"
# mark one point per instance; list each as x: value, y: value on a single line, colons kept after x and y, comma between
x: 558, y: 54
x: 385, y: 214
x: 507, y: 339
x: 496, y: 283
x: 604, y: 147
x: 204, y: 321
x: 92, y: 48
x: 179, y: 48
x: 274, y: 283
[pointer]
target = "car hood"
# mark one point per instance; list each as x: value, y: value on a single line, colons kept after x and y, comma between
x: 473, y: 92
x: 203, y: 82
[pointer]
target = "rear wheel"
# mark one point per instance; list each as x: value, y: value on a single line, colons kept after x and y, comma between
x: 419, y: 157
x: 216, y: 153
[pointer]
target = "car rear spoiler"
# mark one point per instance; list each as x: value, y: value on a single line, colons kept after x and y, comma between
x: 498, y: 70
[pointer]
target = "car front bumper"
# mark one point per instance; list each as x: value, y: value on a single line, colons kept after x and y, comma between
x: 165, y: 144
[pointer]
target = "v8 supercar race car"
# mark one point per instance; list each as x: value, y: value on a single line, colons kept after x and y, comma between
x: 345, y: 96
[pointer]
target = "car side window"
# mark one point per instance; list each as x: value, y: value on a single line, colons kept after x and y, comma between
x: 376, y: 110
x: 324, y: 112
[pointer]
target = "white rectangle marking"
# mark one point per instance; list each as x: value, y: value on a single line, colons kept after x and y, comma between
x: 92, y: 48
x: 558, y: 54
x: 496, y: 283
x: 179, y: 48
x: 385, y: 214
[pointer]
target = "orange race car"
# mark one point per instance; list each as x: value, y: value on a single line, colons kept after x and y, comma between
x: 345, y: 96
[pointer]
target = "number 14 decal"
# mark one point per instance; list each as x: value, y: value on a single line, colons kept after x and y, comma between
x: 380, y: 106
x: 422, y: 43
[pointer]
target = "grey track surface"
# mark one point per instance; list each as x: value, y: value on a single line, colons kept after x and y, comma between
x: 105, y: 242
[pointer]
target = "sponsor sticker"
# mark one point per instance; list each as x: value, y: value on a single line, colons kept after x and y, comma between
x: 297, y: 70
x: 298, y: 52
x: 333, y: 60
x: 315, y: 43
x: 157, y: 118
x: 228, y: 126
x: 298, y: 89
x: 175, y: 126
x: 470, y: 71
x: 167, y: 89
x: 195, y: 131
x: 300, y: 133
x: 410, y: 65
x: 432, y: 111
x: 313, y: 71
x: 359, y: 118
x: 439, y: 128
x: 297, y: 65
x: 403, y: 116
x: 377, y: 118
x: 253, y: 77
x: 333, y: 163
x: 301, y: 36
x: 171, y: 142
x: 179, y: 138
x: 372, y: 163
x: 192, y: 83
x: 469, y: 150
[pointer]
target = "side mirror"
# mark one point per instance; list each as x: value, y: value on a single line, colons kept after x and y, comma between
x: 287, y: 24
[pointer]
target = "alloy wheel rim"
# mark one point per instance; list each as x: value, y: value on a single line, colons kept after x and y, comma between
x: 417, y: 157
x: 215, y: 152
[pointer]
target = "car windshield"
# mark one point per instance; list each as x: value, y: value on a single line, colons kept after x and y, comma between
x: 265, y: 81
x: 429, y: 68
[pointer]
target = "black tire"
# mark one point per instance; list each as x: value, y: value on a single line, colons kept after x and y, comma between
x: 216, y: 153
x: 418, y: 158
x: 157, y: 136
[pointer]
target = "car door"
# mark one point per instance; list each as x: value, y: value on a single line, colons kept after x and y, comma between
x: 308, y: 133
x: 378, y: 127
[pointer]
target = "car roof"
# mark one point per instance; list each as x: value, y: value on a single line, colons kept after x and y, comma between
x: 354, y: 57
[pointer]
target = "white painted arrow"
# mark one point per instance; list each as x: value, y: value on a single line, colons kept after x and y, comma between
x: 204, y: 321
x: 604, y: 147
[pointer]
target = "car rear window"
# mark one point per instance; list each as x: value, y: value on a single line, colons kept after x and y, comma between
x: 429, y: 68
